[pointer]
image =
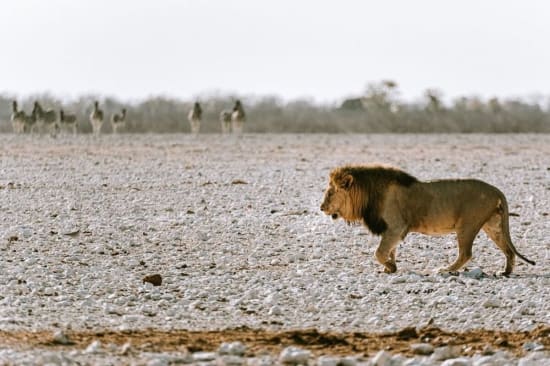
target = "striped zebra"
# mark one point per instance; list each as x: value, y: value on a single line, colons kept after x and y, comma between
x: 118, y: 120
x: 238, y: 118
x: 194, y: 118
x: 96, y: 119
x: 17, y: 118
x: 68, y: 120
x: 225, y: 120
x: 45, y: 119
x: 30, y: 122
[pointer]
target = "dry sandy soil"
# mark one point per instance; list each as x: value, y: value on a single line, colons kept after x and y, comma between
x: 233, y: 227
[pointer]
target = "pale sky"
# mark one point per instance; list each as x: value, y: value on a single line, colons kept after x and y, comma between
x: 323, y: 50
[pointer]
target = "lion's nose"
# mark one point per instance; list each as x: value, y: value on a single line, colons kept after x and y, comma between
x: 322, y: 207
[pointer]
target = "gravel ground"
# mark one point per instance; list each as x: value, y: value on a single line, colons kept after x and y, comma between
x: 233, y: 227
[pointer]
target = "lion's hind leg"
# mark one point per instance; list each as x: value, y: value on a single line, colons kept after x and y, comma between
x: 493, y: 229
x: 465, y: 241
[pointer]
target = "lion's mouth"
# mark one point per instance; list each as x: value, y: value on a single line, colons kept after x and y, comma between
x: 334, y: 216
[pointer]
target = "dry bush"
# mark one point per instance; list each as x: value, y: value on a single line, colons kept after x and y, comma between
x: 378, y: 111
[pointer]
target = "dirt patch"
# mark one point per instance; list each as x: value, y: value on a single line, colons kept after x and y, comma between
x: 261, y: 342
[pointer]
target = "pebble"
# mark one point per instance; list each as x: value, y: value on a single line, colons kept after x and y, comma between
x: 328, y: 361
x: 382, y: 358
x: 457, y: 362
x: 445, y: 353
x: 422, y: 348
x: 60, y: 337
x: 476, y: 273
x: 294, y: 355
x: 94, y: 347
x: 204, y: 356
x: 492, y: 303
x: 233, y: 348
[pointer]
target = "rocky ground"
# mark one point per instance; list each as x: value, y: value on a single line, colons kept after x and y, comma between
x: 233, y: 229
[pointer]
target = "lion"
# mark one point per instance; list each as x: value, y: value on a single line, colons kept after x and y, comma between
x: 391, y: 203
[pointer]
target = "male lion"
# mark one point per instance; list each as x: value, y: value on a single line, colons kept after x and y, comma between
x: 392, y: 203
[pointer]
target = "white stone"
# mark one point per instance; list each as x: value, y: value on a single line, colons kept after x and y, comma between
x: 476, y: 273
x: 204, y: 356
x: 328, y: 361
x: 492, y: 303
x: 294, y: 355
x: 231, y: 360
x: 422, y: 348
x: 60, y: 337
x: 232, y: 348
x: 382, y: 358
x: 535, y: 359
x: 533, y: 346
x: 445, y: 353
x: 348, y: 361
x: 94, y: 347
x: 457, y: 362
x: 275, y: 310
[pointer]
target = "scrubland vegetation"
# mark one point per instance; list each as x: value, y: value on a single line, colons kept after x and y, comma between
x: 378, y: 110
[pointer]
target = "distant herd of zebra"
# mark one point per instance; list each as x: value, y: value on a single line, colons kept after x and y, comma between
x: 231, y: 120
x: 45, y: 120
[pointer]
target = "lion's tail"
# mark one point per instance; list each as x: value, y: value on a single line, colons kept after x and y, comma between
x: 506, y: 229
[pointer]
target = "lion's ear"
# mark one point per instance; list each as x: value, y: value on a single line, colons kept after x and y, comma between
x: 346, y: 182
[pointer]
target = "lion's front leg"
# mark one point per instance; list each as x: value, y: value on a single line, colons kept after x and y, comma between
x: 385, y: 254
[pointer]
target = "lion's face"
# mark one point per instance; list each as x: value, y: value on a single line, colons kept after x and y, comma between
x: 337, y: 200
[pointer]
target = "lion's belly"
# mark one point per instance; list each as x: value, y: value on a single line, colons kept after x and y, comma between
x: 432, y: 230
x: 439, y: 220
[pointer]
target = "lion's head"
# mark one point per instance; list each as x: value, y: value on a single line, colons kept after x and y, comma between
x: 342, y: 197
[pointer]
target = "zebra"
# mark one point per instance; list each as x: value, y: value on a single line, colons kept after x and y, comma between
x: 118, y: 120
x: 68, y: 120
x: 29, y: 123
x: 96, y: 119
x: 238, y: 118
x: 17, y: 118
x: 45, y: 119
x: 225, y: 120
x: 194, y: 118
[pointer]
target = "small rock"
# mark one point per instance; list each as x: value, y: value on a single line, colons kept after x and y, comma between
x: 487, y: 350
x: 73, y: 232
x: 59, y: 337
x: 275, y: 310
x: 294, y: 355
x: 94, y: 347
x: 476, y: 273
x: 422, y: 348
x: 348, y: 361
x: 382, y: 358
x: 491, y: 303
x: 398, y: 279
x: 328, y: 361
x: 445, y: 353
x: 155, y: 280
x: 407, y: 333
x: 533, y: 346
x: 535, y: 359
x: 204, y: 356
x: 457, y: 362
x: 158, y: 361
x: 233, y: 348
x: 231, y: 360
x: 125, y: 349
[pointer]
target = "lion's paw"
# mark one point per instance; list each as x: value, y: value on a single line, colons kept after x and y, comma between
x: 390, y: 267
